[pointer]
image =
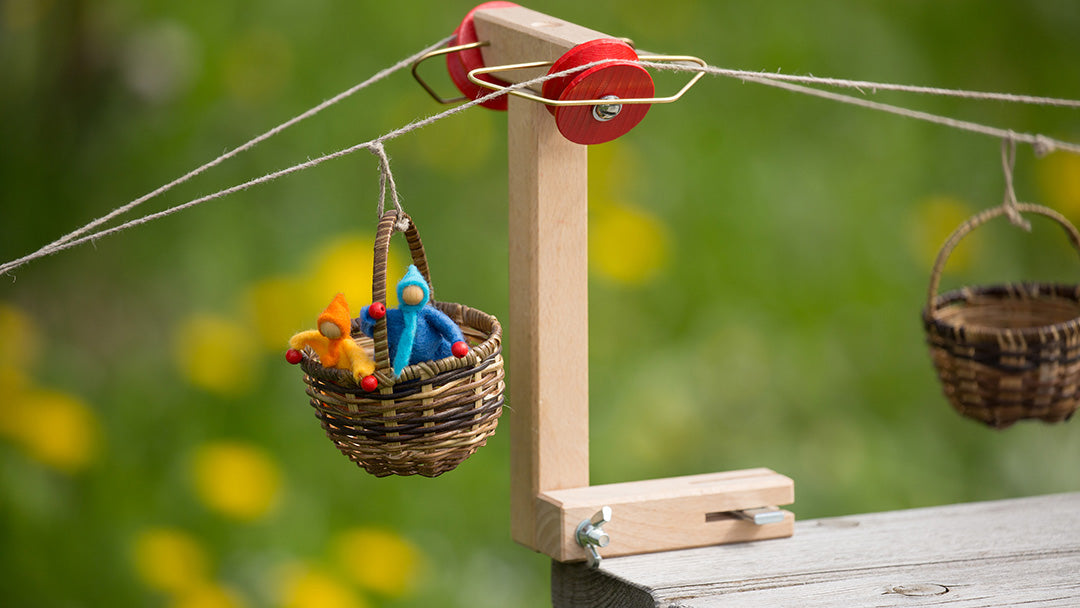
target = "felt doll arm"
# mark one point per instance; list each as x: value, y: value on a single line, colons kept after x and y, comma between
x: 446, y: 328
x: 359, y: 362
x: 367, y: 321
x: 318, y: 342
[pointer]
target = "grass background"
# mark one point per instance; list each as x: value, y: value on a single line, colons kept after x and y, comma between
x: 759, y: 261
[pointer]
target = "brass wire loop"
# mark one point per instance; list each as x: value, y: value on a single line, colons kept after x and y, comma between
x: 437, y: 53
x: 474, y: 77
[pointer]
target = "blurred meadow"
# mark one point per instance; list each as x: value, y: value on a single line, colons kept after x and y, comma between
x: 758, y: 263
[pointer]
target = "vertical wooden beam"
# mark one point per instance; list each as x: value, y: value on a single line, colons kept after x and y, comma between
x: 547, y: 345
x: 548, y: 351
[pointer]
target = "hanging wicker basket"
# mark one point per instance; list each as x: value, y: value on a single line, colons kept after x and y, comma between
x: 432, y: 416
x: 1006, y: 352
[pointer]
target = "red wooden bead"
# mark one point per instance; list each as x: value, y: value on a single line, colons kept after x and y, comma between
x: 460, y: 349
x: 369, y: 383
x: 294, y: 356
x: 377, y: 310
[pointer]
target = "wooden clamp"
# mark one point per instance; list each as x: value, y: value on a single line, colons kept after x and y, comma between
x: 547, y: 340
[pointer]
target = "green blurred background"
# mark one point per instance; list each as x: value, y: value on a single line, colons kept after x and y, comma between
x: 758, y: 260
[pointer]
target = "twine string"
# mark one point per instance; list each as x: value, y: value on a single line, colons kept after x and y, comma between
x: 873, y: 87
x: 378, y: 76
x: 70, y: 242
x: 386, y: 176
x: 1041, y: 144
x: 1008, y: 163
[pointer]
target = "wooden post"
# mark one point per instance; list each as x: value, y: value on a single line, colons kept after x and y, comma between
x: 547, y: 345
x: 548, y: 334
x: 548, y: 350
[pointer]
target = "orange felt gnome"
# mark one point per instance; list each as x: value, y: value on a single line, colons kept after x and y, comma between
x: 333, y: 343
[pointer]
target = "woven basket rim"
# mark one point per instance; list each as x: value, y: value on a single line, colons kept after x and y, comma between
x: 1025, y: 291
x: 480, y: 355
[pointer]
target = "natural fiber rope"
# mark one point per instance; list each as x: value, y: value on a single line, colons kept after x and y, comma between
x: 67, y: 242
x: 387, y: 177
x: 1041, y: 144
x: 873, y: 87
x: 1008, y: 162
x: 378, y: 76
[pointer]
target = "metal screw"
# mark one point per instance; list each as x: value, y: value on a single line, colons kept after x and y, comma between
x: 590, y: 534
x: 606, y: 111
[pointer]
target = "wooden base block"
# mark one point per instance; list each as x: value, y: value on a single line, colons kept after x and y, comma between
x: 665, y: 514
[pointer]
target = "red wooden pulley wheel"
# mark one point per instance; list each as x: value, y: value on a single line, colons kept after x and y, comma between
x: 621, y: 78
x: 461, y: 63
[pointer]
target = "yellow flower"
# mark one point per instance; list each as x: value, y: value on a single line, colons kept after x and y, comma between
x: 341, y: 266
x: 217, y: 354
x: 208, y: 595
x: 379, y: 560
x: 305, y: 587
x: 626, y: 244
x: 344, y: 265
x: 20, y: 343
x: 280, y: 308
x: 171, y: 560
x: 1059, y: 180
x: 933, y: 220
x: 56, y: 429
x: 236, y: 479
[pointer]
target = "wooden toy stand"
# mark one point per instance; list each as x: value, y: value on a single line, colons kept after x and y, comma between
x: 548, y: 349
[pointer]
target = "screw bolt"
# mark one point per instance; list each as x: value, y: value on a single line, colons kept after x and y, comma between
x: 590, y: 535
x: 606, y: 111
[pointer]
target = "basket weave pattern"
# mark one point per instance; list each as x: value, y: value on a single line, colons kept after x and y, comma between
x: 1006, y: 352
x: 431, y: 417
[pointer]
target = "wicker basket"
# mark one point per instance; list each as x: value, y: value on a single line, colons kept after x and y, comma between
x: 1006, y: 352
x: 432, y: 416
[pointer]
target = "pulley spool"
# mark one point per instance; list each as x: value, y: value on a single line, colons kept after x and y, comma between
x: 459, y: 64
x: 600, y: 117
x: 620, y: 77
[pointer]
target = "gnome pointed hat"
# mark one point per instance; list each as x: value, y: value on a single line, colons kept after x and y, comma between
x: 338, y: 314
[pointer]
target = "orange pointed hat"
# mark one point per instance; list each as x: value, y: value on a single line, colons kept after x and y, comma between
x: 338, y: 314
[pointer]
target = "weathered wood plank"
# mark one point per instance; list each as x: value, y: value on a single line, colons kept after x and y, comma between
x: 1002, y: 553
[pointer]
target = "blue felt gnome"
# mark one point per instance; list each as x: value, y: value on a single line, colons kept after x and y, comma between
x: 415, y: 330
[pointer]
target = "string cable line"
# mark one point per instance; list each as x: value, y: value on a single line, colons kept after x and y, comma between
x: 58, y: 244
x: 69, y: 241
x: 865, y: 85
x: 1041, y: 144
x: 1008, y: 163
x: 387, y: 177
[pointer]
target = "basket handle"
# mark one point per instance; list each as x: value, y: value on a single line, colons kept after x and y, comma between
x: 389, y: 223
x: 981, y: 218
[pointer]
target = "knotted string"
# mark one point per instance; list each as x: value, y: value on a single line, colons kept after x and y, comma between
x: 1008, y: 162
x: 387, y: 177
